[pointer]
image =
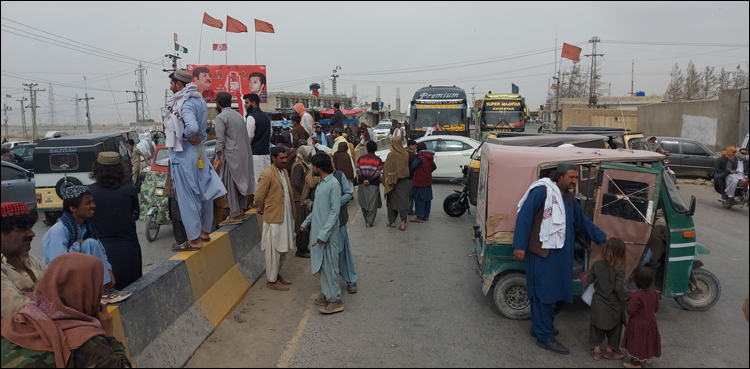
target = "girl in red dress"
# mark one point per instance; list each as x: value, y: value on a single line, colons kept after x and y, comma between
x: 642, y: 340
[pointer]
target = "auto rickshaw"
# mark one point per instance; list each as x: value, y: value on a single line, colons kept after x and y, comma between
x: 154, y: 206
x: 626, y: 193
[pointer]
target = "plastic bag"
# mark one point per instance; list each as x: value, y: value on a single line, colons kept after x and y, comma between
x: 588, y: 295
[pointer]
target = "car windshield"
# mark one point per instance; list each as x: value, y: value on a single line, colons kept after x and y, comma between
x: 383, y: 126
x: 501, y: 118
x: 162, y: 157
x: 640, y: 143
x: 431, y: 117
x: 678, y: 203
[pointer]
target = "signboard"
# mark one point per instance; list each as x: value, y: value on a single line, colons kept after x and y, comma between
x: 238, y: 80
x: 438, y: 106
x: 503, y: 106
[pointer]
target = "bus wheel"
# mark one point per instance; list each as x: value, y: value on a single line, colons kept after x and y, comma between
x: 511, y: 298
x: 702, y: 293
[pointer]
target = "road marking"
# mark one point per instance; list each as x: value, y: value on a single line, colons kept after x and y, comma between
x: 291, y: 346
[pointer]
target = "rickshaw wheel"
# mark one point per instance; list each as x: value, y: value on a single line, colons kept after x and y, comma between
x: 710, y: 291
x: 152, y: 228
x: 511, y: 297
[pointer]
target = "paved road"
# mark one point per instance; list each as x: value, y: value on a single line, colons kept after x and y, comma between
x: 420, y: 305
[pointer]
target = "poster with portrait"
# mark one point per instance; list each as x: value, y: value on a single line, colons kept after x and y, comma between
x: 238, y: 80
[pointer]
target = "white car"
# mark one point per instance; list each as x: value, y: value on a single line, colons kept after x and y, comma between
x: 382, y: 130
x: 450, y: 153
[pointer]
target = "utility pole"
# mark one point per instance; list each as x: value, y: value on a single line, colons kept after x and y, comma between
x: 88, y: 111
x: 141, y: 87
x: 137, y: 111
x: 557, y: 100
x: 6, y: 109
x: 632, y: 78
x: 174, y: 62
x: 335, y: 75
x: 23, y: 119
x: 592, y: 89
x: 32, y: 94
x: 77, y: 120
x: 52, y: 115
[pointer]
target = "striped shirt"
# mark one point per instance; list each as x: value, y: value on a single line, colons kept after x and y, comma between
x: 369, y: 167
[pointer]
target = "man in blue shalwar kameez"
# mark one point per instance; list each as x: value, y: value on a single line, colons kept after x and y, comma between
x: 549, y: 279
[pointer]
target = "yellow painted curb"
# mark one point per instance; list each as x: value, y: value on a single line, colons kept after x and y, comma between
x: 223, y: 296
x: 119, y: 331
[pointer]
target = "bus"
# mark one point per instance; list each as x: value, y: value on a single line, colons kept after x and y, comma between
x: 503, y: 112
x: 438, y: 110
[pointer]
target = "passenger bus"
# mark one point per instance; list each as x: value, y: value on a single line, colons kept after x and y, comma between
x: 503, y: 112
x: 438, y: 110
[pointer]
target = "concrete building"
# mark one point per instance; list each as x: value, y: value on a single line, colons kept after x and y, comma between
x: 286, y: 100
x: 609, y: 112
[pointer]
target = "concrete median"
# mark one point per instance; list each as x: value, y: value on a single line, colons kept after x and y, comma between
x: 176, y: 306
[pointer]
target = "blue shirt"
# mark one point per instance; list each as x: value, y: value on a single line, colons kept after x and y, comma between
x: 55, y: 243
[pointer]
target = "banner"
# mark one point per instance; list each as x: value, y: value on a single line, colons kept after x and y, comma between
x: 220, y: 47
x: 238, y: 80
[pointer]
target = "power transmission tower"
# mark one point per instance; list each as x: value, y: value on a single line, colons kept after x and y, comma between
x: 32, y: 93
x: 77, y: 120
x: 632, y: 77
x: 138, y: 117
x: 51, y: 115
x: 141, y: 87
x: 594, y: 77
x: 23, y: 119
x: 88, y: 111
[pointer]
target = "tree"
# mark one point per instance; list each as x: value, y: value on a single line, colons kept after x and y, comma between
x: 723, y: 80
x: 693, y: 82
x: 709, y: 83
x: 739, y: 78
x: 676, y: 89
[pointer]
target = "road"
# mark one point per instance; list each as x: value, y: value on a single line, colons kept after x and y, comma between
x: 420, y: 305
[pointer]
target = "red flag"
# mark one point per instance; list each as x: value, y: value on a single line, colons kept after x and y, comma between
x: 235, y: 26
x: 220, y: 47
x: 553, y: 87
x: 261, y: 26
x: 315, y: 93
x: 211, y: 21
x: 571, y: 52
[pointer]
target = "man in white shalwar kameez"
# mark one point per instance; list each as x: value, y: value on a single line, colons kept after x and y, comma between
x: 274, y: 189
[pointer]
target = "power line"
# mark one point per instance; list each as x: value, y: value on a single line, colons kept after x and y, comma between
x: 674, y: 43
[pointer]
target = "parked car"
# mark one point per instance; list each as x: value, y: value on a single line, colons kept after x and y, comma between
x: 382, y: 130
x: 18, y: 185
x: 450, y: 153
x: 25, y: 151
x: 12, y: 144
x: 688, y: 157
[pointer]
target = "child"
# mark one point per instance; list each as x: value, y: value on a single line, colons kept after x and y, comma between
x: 607, y: 305
x: 642, y: 338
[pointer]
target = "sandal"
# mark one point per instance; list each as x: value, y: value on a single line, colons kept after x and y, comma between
x: 596, y: 355
x: 392, y: 225
x: 185, y: 246
x: 612, y: 355
x: 401, y: 229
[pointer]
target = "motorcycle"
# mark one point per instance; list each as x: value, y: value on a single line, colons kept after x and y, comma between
x: 457, y: 203
x: 741, y: 195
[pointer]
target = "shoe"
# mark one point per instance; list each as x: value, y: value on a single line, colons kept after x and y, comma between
x: 284, y: 281
x: 332, y: 308
x: 426, y: 219
x: 321, y: 300
x: 629, y: 365
x: 278, y: 286
x: 416, y: 220
x: 351, y: 288
x: 555, y: 332
x: 553, y: 346
x: 724, y: 196
x: 305, y: 255
x: 612, y: 355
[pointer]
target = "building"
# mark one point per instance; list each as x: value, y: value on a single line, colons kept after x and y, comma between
x: 286, y: 100
x: 609, y: 112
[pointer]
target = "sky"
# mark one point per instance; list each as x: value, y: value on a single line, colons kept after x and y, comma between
x: 480, y: 47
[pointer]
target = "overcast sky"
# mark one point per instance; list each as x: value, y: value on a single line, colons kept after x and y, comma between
x: 485, y: 45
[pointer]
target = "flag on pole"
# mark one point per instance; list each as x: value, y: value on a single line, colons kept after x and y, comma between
x: 261, y: 26
x: 175, y: 37
x: 315, y: 93
x: 235, y: 26
x: 84, y: 78
x: 571, y: 52
x: 220, y: 47
x: 553, y: 87
x: 179, y: 48
x: 8, y: 96
x: 211, y: 21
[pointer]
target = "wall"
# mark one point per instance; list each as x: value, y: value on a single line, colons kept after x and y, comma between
x: 600, y: 118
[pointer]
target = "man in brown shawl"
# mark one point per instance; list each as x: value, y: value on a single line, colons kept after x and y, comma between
x: 342, y: 161
x: 396, y: 183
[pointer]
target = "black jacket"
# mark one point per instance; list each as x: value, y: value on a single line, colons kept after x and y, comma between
x: 262, y: 139
x: 337, y: 120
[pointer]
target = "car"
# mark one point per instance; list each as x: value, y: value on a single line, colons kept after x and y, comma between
x: 450, y: 153
x: 163, y: 157
x: 688, y: 157
x: 18, y: 185
x: 12, y: 144
x: 382, y: 130
x: 25, y: 151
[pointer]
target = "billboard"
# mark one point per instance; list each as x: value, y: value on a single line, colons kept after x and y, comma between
x: 238, y: 80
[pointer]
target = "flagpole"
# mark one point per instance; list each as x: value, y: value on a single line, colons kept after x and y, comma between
x: 213, y: 52
x: 200, y: 43
x: 256, y: 47
x: 226, y: 52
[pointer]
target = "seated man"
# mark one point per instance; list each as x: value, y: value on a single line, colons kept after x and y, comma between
x: 75, y: 232
x: 20, y: 270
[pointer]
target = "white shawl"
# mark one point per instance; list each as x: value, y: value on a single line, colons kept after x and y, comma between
x: 173, y: 122
x: 552, y: 232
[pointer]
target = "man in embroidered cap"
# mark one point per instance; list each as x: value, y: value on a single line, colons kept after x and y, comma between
x: 547, y: 217
x: 21, y: 271
x: 75, y: 232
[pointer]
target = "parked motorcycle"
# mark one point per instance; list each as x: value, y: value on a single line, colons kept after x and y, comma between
x: 457, y: 203
x: 741, y: 195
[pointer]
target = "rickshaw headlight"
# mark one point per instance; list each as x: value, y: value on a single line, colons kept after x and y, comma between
x: 688, y: 234
x: 159, y: 192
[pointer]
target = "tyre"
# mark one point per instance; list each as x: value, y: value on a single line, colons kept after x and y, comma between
x: 452, y: 206
x: 62, y: 184
x: 152, y: 228
x: 50, y: 218
x: 707, y: 295
x: 726, y: 204
x: 511, y: 298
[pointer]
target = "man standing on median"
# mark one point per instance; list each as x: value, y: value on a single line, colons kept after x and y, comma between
x: 274, y: 199
x: 323, y: 224
x: 233, y: 149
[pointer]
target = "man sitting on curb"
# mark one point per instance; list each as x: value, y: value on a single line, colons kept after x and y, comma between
x: 20, y: 270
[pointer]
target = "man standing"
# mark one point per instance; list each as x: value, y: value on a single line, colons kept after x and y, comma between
x: 549, y: 262
x: 346, y: 263
x: 300, y: 169
x: 337, y: 120
x: 274, y: 199
x: 320, y: 135
x: 411, y: 148
x: 299, y: 133
x: 422, y: 168
x: 233, y: 149
x: 369, y: 169
x: 135, y: 161
x: 259, y: 131
x: 196, y: 184
x: 338, y: 137
x: 306, y: 119
x: 323, y: 224
x: 21, y: 271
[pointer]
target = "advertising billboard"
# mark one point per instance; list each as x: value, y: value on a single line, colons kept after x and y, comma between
x: 238, y: 80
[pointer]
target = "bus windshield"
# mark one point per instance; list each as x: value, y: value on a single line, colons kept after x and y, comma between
x: 425, y: 118
x: 501, y: 118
